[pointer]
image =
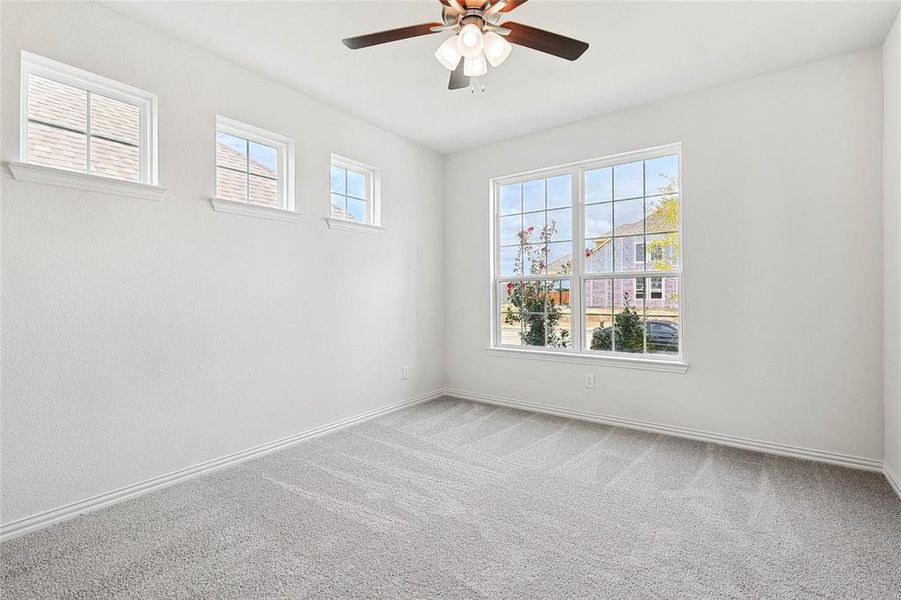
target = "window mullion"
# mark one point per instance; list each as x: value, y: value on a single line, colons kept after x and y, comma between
x: 577, y: 308
x: 247, y: 172
x: 88, y: 129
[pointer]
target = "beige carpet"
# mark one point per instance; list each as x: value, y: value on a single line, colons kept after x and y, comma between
x: 452, y: 499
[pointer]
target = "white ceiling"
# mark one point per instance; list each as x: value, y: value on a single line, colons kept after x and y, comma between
x: 640, y: 52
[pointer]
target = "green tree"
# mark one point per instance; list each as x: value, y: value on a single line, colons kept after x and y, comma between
x: 627, y: 331
x: 665, y: 250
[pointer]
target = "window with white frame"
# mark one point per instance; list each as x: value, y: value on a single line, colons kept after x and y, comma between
x: 82, y: 122
x: 253, y: 166
x: 354, y: 192
x: 587, y: 257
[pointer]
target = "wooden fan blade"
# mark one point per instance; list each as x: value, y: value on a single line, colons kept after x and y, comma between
x: 392, y: 35
x: 512, y: 5
x: 458, y: 80
x: 545, y: 41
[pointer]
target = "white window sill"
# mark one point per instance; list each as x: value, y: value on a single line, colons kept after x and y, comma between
x: 254, y: 210
x: 627, y: 362
x: 353, y: 226
x: 84, y: 181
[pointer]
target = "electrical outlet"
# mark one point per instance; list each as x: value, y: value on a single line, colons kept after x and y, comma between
x: 405, y: 372
x: 589, y: 381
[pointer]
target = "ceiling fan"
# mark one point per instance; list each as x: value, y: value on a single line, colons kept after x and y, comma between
x: 479, y: 38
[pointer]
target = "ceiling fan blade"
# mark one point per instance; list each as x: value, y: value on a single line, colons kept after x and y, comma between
x: 458, y: 80
x: 512, y: 5
x: 392, y: 35
x: 545, y: 41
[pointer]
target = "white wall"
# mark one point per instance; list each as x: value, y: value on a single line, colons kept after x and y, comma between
x: 142, y: 337
x: 783, y: 261
x: 891, y: 58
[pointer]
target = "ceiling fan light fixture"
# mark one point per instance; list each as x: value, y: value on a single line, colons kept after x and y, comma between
x: 497, y: 49
x: 447, y: 53
x: 470, y: 41
x: 475, y: 66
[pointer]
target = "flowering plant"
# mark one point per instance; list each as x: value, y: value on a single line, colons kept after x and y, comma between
x: 536, y: 303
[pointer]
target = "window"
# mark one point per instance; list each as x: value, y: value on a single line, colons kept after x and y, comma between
x: 354, y: 192
x: 81, y: 122
x: 587, y: 258
x: 253, y: 166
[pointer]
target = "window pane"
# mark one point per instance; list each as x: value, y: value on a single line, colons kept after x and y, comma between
x: 628, y: 180
x: 534, y: 294
x: 509, y: 296
x: 662, y: 175
x: 626, y: 253
x: 117, y: 120
x: 55, y: 147
x: 112, y: 159
x: 662, y: 214
x: 534, y: 258
x: 560, y: 258
x: 599, y: 256
x: 598, y: 298
x: 511, y: 199
x: 663, y: 315
x: 356, y: 185
x: 560, y: 225
x: 57, y: 104
x: 662, y: 252
x: 559, y: 191
x: 339, y: 206
x: 629, y: 327
x: 533, y: 195
x: 231, y: 185
x: 534, y: 326
x: 533, y: 225
x: 599, y: 220
x: 357, y: 210
x: 231, y: 151
x: 628, y: 217
x: 599, y: 185
x: 263, y: 160
x: 339, y: 183
x: 263, y: 191
x: 510, y: 261
x: 510, y: 228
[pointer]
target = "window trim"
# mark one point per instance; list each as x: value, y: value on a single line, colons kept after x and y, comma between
x: 659, y: 362
x: 146, y: 102
x: 284, y: 145
x: 374, y: 186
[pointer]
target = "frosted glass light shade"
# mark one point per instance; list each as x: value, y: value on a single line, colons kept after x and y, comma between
x: 497, y: 49
x: 475, y: 67
x: 447, y: 53
x: 470, y: 41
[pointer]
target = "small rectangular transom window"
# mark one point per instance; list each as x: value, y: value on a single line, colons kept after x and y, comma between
x: 354, y: 192
x: 253, y: 166
x: 78, y: 121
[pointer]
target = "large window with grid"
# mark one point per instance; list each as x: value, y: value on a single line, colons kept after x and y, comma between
x: 78, y: 121
x: 253, y: 166
x: 587, y: 258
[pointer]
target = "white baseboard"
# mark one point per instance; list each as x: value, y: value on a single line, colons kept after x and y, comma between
x: 893, y: 480
x: 23, y: 526
x: 844, y: 460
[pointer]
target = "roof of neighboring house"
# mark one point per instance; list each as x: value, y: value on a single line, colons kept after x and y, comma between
x: 233, y: 187
x: 65, y: 106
